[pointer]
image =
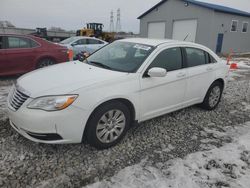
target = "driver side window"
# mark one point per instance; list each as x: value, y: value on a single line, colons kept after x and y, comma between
x: 169, y: 59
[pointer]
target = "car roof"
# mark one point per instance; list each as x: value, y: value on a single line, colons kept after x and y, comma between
x: 84, y: 37
x: 165, y: 42
x: 146, y: 41
x: 156, y: 42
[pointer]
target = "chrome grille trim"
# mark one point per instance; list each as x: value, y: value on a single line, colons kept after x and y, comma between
x: 17, y: 99
x: 20, y: 96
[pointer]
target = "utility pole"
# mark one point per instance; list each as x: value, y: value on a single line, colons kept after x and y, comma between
x: 118, y: 21
x: 111, y: 26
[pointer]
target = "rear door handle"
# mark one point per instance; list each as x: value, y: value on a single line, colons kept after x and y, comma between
x: 209, y: 68
x: 181, y: 75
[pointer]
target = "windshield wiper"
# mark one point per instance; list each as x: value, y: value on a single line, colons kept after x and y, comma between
x: 100, y: 65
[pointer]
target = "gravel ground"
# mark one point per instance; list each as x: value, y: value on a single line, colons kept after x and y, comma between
x: 219, y: 167
x: 27, y: 164
x: 4, y: 89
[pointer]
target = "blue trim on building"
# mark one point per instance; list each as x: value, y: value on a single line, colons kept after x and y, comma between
x: 154, y: 7
x: 218, y: 8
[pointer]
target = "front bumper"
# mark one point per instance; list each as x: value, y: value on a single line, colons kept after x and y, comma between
x: 59, y: 127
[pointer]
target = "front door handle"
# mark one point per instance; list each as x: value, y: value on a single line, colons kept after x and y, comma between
x: 181, y: 75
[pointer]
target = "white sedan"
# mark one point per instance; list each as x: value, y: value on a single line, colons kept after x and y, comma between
x: 81, y: 44
x: 130, y: 80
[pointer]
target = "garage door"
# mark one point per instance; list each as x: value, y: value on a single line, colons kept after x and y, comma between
x: 156, y: 30
x: 185, y: 30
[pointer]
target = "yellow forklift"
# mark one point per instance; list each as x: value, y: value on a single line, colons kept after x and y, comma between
x: 95, y: 30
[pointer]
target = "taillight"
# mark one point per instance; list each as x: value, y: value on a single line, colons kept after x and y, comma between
x: 70, y: 54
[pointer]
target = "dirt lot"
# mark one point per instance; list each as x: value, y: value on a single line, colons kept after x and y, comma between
x: 27, y: 164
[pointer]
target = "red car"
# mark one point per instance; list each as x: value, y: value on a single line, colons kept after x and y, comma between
x: 23, y: 53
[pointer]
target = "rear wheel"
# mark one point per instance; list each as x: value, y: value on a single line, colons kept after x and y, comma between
x: 45, y: 63
x: 213, y: 96
x: 107, y: 125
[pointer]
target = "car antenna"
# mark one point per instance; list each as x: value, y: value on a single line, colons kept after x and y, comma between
x: 186, y: 37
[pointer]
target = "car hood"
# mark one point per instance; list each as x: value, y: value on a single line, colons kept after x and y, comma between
x: 64, y: 78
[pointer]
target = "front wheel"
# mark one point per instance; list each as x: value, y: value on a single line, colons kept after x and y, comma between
x: 213, y: 96
x: 107, y: 125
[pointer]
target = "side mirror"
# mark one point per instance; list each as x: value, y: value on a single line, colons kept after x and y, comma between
x: 157, y: 72
x: 74, y: 44
x: 86, y: 55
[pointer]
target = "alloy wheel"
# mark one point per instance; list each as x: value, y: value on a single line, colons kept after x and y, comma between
x: 110, y: 126
x: 214, y: 96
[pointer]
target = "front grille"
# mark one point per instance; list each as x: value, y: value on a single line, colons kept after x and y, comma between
x: 17, y: 99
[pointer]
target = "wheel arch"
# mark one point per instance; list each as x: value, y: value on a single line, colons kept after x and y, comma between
x: 45, y: 57
x: 220, y: 80
x: 124, y: 101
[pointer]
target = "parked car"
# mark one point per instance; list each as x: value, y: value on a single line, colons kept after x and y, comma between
x: 22, y: 53
x: 81, y: 44
x: 130, y: 80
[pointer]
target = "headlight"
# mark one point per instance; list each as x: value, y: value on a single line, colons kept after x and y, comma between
x: 52, y: 103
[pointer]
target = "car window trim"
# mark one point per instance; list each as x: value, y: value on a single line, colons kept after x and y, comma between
x: 207, y: 58
x: 144, y: 75
x: 210, y: 56
x: 184, y: 57
x: 7, y: 44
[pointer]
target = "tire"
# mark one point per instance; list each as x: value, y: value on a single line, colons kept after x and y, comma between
x: 213, y: 96
x: 107, y: 125
x: 45, y: 63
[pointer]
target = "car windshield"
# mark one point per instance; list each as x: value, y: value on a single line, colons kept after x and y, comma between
x: 68, y: 40
x: 121, y: 56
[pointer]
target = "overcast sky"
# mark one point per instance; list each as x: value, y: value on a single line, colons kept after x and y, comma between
x: 73, y: 14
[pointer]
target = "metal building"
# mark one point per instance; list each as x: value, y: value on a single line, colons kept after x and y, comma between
x: 217, y: 27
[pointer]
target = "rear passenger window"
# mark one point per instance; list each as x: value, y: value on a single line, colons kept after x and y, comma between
x: 19, y: 42
x: 212, y: 60
x: 16, y: 42
x: 81, y: 42
x: 170, y: 59
x: 93, y: 41
x: 209, y: 58
x: 195, y: 57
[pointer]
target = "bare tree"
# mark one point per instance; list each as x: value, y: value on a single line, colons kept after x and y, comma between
x: 6, y: 24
